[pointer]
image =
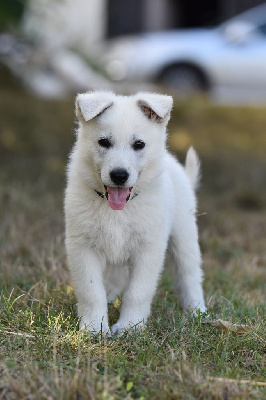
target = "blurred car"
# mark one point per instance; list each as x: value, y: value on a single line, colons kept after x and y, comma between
x: 232, y: 55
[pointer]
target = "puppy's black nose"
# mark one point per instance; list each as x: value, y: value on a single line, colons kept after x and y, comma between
x: 119, y: 176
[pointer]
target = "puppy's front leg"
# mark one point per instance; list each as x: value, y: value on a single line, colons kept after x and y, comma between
x: 138, y: 295
x: 86, y: 269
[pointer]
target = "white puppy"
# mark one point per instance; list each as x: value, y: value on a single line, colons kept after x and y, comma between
x: 127, y: 201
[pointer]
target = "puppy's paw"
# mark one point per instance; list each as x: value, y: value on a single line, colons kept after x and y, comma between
x: 200, y: 314
x: 195, y: 307
x: 199, y: 310
x: 94, y: 327
x: 121, y: 327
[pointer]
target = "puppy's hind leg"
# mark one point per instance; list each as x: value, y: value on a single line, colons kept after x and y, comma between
x: 185, y: 261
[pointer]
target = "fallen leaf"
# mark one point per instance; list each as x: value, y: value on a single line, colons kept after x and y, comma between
x: 129, y: 386
x: 228, y: 326
x: 239, y: 381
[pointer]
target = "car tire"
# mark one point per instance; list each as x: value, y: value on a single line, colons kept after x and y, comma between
x: 184, y: 79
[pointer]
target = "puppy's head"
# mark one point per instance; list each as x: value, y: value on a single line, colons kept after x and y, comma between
x: 122, y: 138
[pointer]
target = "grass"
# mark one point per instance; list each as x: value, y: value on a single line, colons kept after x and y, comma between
x: 42, y: 353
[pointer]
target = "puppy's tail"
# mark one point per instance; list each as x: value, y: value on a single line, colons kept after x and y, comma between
x: 192, y: 168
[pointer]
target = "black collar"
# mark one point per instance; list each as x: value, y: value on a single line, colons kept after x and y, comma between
x: 102, y: 195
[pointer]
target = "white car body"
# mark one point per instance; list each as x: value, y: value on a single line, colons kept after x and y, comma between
x: 232, y: 55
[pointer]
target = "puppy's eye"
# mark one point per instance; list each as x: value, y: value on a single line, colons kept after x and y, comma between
x: 104, y: 143
x: 138, y: 145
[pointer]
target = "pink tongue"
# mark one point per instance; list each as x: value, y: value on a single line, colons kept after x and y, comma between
x: 117, y: 197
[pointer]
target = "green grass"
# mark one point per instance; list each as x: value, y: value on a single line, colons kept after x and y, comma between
x: 42, y: 353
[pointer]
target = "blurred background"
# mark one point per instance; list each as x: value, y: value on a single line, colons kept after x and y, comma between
x: 217, y: 47
x: 211, y: 55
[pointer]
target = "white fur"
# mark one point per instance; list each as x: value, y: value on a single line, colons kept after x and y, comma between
x: 122, y: 252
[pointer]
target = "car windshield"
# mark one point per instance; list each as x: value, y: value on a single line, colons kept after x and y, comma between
x: 256, y: 16
x: 262, y: 29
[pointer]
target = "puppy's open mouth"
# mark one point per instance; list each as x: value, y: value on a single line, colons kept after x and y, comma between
x: 118, y: 196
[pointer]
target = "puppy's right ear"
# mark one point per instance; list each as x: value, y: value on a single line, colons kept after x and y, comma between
x: 90, y: 105
x: 156, y: 107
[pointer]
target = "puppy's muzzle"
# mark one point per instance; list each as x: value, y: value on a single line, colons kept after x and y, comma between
x: 119, y: 176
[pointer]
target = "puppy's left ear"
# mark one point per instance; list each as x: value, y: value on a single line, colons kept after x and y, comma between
x: 156, y: 107
x: 91, y: 104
